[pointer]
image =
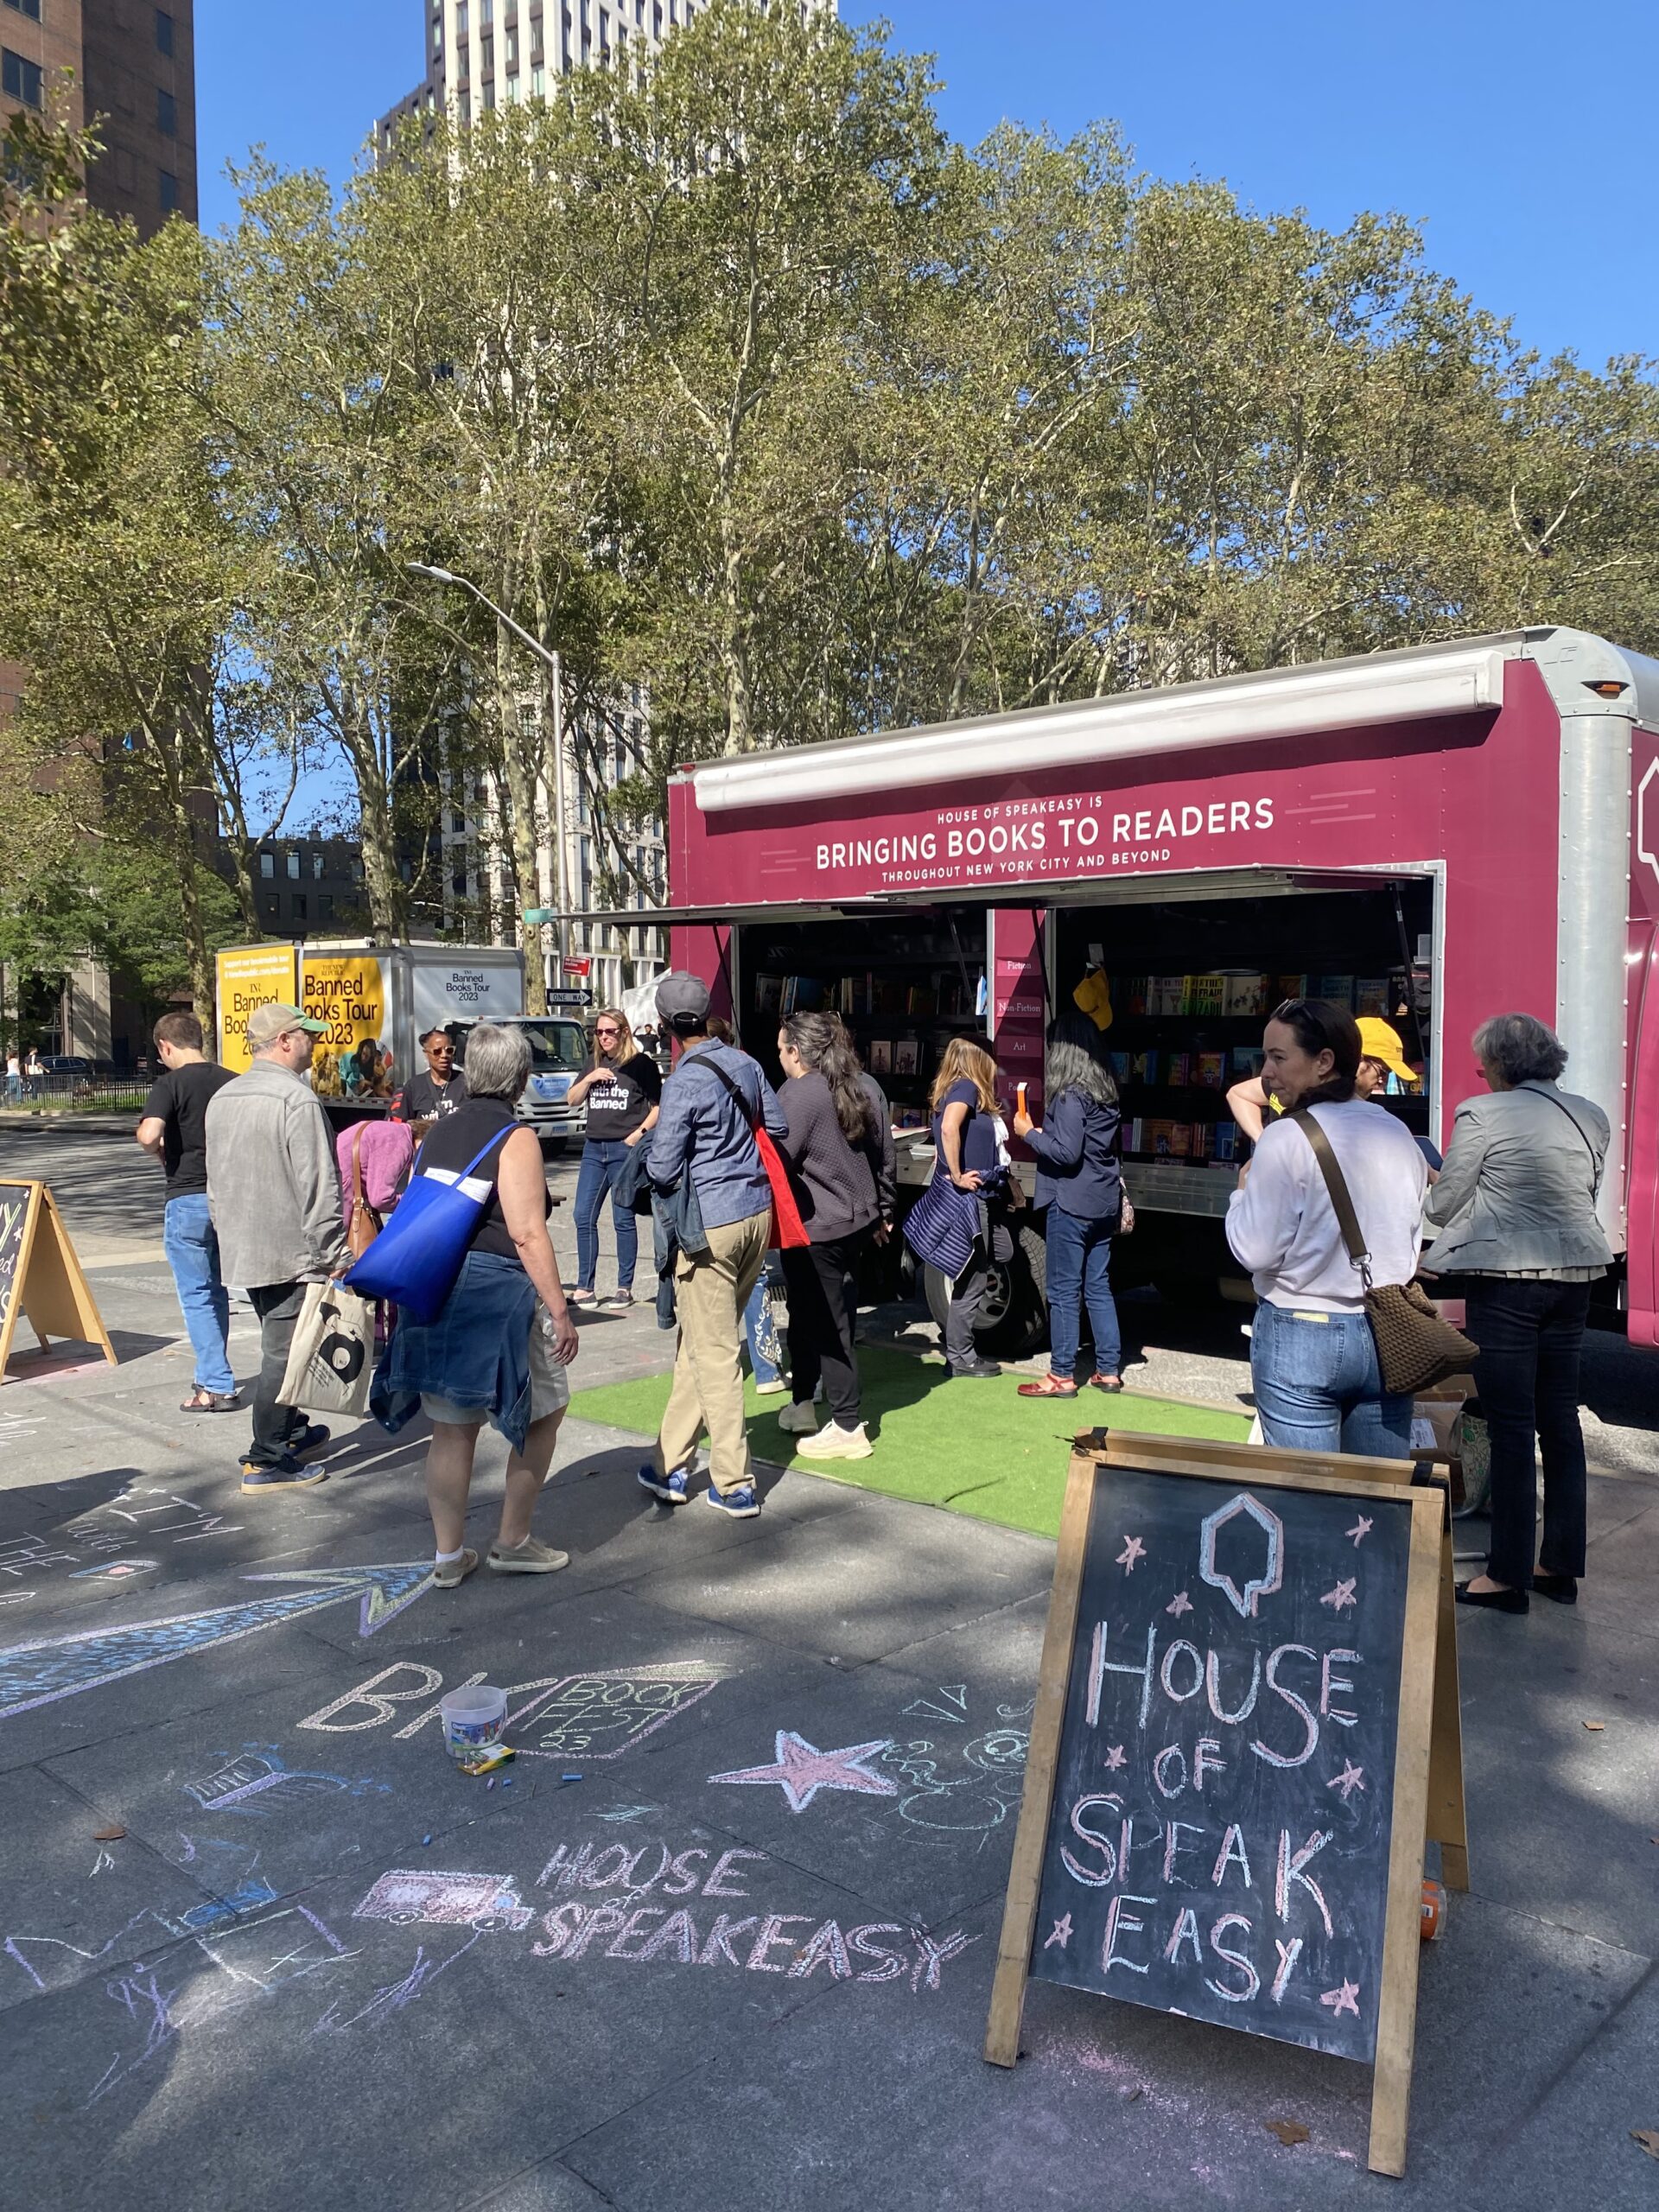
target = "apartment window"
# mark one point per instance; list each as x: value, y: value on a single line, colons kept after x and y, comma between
x: 461, y: 20
x: 169, y: 184
x: 513, y: 45
x: 270, y: 905
x: 294, y: 865
x: 325, y: 905
x: 163, y: 31
x: 267, y: 866
x: 460, y: 64
x: 298, y: 904
x: 316, y: 864
x: 489, y: 96
x: 167, y: 114
x: 357, y: 870
x: 458, y: 885
x: 464, y: 105
x: 29, y: 8
x: 486, y: 11
x: 486, y: 57
x: 406, y: 869
x: 538, y: 82
x: 656, y: 19
x: 19, y: 80
x: 458, y: 824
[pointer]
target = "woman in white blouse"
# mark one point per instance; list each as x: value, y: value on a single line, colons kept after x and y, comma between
x: 1314, y: 1363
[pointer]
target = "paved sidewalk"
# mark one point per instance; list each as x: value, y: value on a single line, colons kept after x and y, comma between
x: 317, y: 1967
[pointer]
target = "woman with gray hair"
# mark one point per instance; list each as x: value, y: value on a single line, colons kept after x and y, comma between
x: 1081, y: 1184
x: 1516, y: 1209
x: 498, y: 1349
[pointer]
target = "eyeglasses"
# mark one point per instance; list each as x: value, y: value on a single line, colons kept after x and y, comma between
x: 601, y: 1030
x: 1287, y: 1009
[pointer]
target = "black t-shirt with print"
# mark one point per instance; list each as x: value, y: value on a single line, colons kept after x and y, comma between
x: 423, y: 1098
x: 178, y: 1100
x: 622, y: 1098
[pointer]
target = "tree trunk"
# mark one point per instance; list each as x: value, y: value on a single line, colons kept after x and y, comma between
x: 518, y: 751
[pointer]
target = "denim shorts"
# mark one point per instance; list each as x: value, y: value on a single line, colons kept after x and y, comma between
x: 550, y: 1383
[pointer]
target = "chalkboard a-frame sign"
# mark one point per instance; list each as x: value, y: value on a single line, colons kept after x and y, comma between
x: 1227, y: 1786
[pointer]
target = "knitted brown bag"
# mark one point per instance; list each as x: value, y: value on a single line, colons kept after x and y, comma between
x: 1415, y: 1348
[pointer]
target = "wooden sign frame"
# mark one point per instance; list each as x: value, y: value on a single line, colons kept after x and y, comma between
x: 48, y: 1286
x: 1396, y: 2023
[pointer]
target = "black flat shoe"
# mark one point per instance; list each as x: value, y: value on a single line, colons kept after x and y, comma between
x: 982, y: 1370
x: 1496, y: 1601
x: 1563, y: 1588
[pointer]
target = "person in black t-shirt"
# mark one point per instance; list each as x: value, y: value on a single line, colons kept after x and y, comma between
x: 621, y: 1091
x: 436, y: 1089
x: 174, y: 1131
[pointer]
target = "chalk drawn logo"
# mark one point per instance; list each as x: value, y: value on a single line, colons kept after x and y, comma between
x: 41, y: 1672
x: 967, y: 1786
x: 407, y: 1897
x: 1243, y: 1599
x: 600, y: 1715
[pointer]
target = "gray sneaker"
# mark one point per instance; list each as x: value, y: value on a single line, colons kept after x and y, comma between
x: 531, y: 1557
x: 455, y: 1571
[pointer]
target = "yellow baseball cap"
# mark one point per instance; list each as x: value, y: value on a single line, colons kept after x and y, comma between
x: 1093, y: 996
x: 1379, y: 1041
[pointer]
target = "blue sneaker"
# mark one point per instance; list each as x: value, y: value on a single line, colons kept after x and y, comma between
x: 260, y: 1481
x: 670, y: 1488
x: 740, y: 1504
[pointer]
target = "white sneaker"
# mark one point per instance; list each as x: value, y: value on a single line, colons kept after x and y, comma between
x: 834, y: 1442
x: 799, y: 1419
x: 775, y: 1389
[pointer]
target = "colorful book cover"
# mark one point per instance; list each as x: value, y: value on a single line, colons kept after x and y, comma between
x: 1206, y: 995
x: 1338, y: 989
x: 1181, y: 1070
x: 1209, y: 1068
x: 1226, y: 1142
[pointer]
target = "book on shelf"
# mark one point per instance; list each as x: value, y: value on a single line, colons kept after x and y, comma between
x: 1181, y: 1070
x: 1206, y: 996
x: 880, y: 1056
x: 768, y: 993
x: 1209, y: 1070
x: 1224, y: 1141
x: 906, y: 1056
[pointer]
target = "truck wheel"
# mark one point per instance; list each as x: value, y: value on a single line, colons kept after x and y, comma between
x: 1014, y: 1315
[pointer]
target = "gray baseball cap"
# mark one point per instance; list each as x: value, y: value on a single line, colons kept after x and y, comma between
x: 680, y: 995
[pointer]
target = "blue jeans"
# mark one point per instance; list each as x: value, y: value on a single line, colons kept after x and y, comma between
x: 14, y: 1090
x: 191, y: 1243
x: 1079, y: 1273
x: 766, y: 1351
x: 1318, y: 1387
x: 602, y: 1163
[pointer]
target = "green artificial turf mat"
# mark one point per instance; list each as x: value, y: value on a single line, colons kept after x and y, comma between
x: 976, y: 1447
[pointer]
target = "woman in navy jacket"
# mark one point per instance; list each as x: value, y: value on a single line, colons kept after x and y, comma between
x: 1079, y: 1182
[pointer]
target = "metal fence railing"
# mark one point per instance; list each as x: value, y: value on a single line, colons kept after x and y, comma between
x: 77, y: 1094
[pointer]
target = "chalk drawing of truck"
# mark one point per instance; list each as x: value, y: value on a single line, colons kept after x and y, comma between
x: 405, y: 1896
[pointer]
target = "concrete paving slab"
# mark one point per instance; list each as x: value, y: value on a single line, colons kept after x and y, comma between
x: 848, y: 1589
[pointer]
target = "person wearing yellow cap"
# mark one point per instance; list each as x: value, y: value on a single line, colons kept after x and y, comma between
x: 1382, y: 1057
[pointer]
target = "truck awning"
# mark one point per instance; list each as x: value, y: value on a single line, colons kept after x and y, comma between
x: 1412, y: 685
x: 1121, y: 888
x: 786, y: 910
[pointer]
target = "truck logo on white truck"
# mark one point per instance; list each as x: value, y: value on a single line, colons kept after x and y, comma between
x: 1647, y: 818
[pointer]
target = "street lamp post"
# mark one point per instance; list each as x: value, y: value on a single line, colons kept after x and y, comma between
x: 550, y: 659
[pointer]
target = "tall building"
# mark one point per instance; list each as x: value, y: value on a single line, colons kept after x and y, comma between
x: 131, y: 67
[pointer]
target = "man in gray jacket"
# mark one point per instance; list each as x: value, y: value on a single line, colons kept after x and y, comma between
x: 273, y: 1190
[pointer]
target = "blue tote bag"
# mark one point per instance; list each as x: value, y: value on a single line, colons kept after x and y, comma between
x: 415, y: 1260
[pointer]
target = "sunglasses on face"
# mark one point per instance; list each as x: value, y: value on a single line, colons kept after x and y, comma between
x: 607, y: 1032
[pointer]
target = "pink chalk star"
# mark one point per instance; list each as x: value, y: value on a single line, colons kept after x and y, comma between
x: 1132, y: 1549
x: 1350, y: 1779
x: 1342, y: 1595
x: 1061, y: 1934
x: 801, y: 1769
x: 1361, y: 1530
x: 1115, y: 1758
x: 1179, y: 1603
x: 1345, y: 2000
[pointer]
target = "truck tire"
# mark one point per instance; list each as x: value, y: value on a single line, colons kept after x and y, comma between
x: 1013, y: 1317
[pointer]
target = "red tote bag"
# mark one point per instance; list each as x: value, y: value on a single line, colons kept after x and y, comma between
x: 788, y: 1232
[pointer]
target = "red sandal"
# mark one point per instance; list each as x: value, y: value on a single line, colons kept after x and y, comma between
x: 1110, y: 1383
x: 1048, y: 1386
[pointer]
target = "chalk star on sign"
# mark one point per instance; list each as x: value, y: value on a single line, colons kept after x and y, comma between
x: 1061, y: 1934
x: 1361, y: 1530
x: 800, y: 1769
x: 1132, y: 1549
x: 1342, y: 1595
x: 1115, y: 1758
x: 1179, y: 1603
x: 1345, y: 2000
x: 1353, y: 1777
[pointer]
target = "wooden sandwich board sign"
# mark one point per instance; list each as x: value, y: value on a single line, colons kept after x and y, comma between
x: 1226, y: 1792
x: 39, y: 1275
x: 1448, y: 1823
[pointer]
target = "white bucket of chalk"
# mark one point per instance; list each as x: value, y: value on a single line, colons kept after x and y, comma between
x: 474, y: 1719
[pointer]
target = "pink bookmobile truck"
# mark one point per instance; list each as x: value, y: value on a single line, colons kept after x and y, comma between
x: 1434, y: 835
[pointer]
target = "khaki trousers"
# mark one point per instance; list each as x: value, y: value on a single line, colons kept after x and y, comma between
x: 710, y: 1292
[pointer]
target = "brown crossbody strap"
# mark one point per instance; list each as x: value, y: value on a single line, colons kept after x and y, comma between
x: 1336, y: 1183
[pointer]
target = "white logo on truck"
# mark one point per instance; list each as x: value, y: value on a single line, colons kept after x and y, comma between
x: 1647, y: 829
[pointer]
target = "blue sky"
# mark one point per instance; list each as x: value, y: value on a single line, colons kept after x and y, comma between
x: 1513, y: 132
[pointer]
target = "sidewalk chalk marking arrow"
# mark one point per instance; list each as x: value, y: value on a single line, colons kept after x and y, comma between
x: 56, y: 1666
